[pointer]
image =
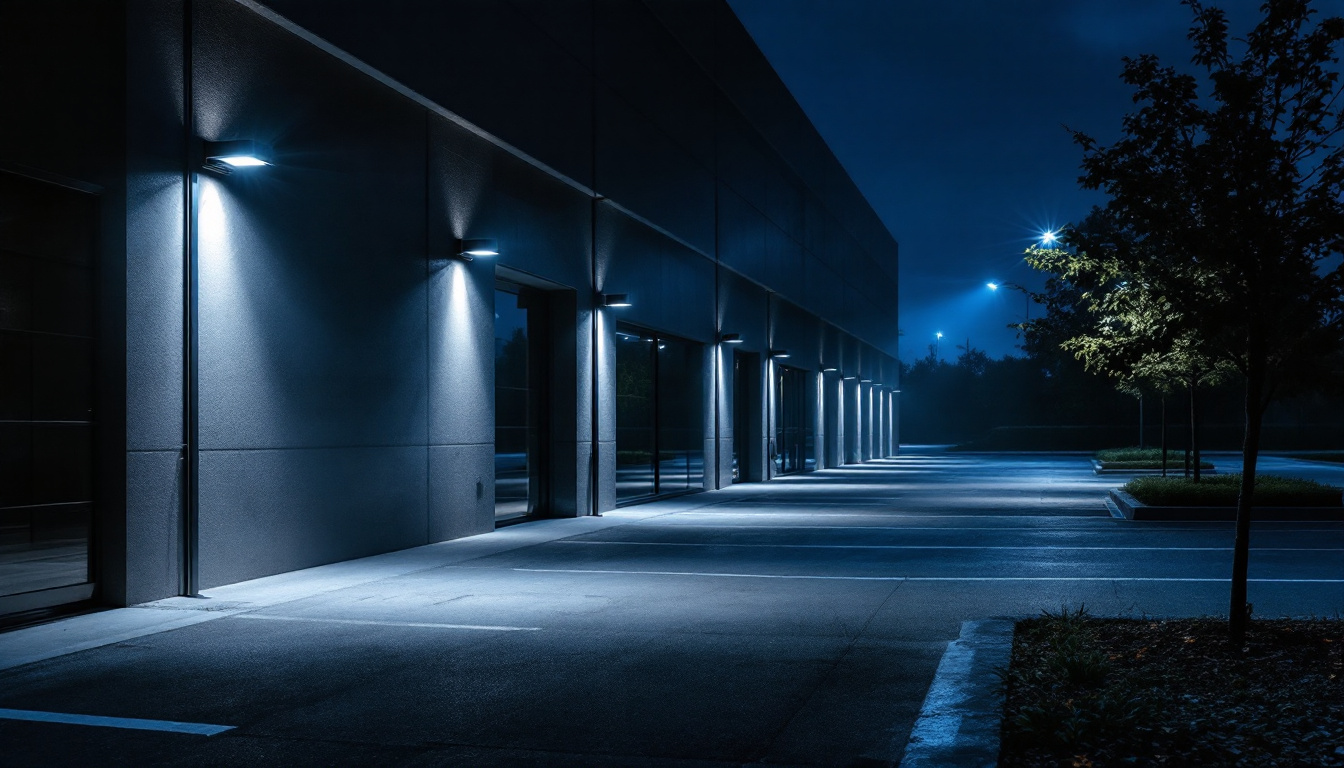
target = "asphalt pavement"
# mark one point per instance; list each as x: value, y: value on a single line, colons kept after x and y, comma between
x: 796, y: 622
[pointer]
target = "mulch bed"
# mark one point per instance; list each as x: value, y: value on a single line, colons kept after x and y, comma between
x: 1087, y: 692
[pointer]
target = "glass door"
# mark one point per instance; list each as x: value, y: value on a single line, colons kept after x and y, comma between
x: 660, y: 413
x: 793, y: 423
x: 47, y: 330
x: 520, y: 412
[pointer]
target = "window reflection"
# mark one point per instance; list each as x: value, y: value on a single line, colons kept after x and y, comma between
x: 659, y: 414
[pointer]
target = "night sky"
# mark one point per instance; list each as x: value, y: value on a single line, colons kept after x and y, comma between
x: 949, y: 115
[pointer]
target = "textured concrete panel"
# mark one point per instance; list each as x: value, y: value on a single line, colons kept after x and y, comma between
x: 427, y: 47
x: 461, y: 490
x: 268, y: 512
x: 312, y: 271
x: 461, y: 353
x: 154, y: 530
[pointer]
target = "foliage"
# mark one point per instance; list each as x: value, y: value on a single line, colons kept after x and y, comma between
x: 1135, y: 454
x: 1222, y: 234
x: 1222, y: 490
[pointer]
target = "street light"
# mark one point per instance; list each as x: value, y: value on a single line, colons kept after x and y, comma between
x: 936, y: 337
x: 1049, y: 238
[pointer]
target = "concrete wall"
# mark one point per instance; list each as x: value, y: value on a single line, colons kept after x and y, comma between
x: 345, y: 359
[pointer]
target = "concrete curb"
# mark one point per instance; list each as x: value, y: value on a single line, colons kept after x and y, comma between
x: 958, y: 726
x: 1134, y: 509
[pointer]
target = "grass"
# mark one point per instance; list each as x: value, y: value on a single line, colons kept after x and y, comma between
x: 1090, y: 692
x: 1222, y: 490
x: 1142, y: 458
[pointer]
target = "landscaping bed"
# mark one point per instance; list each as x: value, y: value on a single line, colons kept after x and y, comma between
x: 1141, y: 460
x: 1088, y: 692
x: 1222, y: 490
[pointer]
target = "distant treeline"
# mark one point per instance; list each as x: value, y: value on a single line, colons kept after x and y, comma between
x: 1018, y: 403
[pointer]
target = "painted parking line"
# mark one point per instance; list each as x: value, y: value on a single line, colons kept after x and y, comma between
x: 942, y: 546
x: 1108, y: 527
x: 362, y: 622
x: 131, y: 723
x: 711, y: 574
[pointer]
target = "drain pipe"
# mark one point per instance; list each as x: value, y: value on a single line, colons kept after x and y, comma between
x: 190, y: 459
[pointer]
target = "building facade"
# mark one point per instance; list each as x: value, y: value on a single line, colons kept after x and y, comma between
x: 213, y: 377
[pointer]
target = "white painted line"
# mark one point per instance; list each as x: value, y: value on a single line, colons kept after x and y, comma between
x: 720, y: 575
x: 429, y: 625
x: 1105, y: 525
x: 131, y: 723
x: 711, y: 574
x: 945, y: 546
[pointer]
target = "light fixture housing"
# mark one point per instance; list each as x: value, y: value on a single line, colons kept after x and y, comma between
x: 829, y: 370
x: 865, y: 381
x: 470, y: 248
x: 615, y: 300
x: 731, y: 338
x: 226, y: 156
x: 850, y: 378
x: 779, y: 353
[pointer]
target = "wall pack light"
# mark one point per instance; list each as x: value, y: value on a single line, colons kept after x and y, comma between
x: 850, y: 378
x: 829, y: 370
x: 615, y: 299
x: 865, y: 381
x: 470, y: 248
x: 225, y: 156
x: 779, y: 353
x: 731, y: 338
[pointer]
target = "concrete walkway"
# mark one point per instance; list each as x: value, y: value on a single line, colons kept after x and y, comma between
x: 792, y: 623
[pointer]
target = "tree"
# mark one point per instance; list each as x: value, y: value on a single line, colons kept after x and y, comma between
x: 1232, y: 198
x: 1117, y: 323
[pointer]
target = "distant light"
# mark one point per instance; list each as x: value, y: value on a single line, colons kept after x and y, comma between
x: 850, y: 378
x: 829, y: 370
x: 477, y: 246
x: 1049, y: 238
x: 993, y: 286
x: 224, y: 156
x: 731, y: 338
x: 865, y: 381
x: 939, y: 334
x: 779, y: 353
x: 616, y: 300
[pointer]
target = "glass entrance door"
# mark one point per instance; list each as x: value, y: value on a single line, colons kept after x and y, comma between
x: 47, y: 330
x: 520, y: 404
x: 793, y: 422
x: 659, y: 414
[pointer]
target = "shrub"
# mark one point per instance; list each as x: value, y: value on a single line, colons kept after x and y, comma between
x: 1222, y: 491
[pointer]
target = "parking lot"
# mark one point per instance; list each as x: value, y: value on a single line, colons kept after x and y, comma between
x: 797, y: 622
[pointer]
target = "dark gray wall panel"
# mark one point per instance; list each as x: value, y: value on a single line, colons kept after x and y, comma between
x: 268, y: 512
x: 648, y: 69
x: 642, y: 169
x: 154, y: 536
x: 567, y: 22
x: 485, y: 61
x: 461, y: 353
x: 477, y: 190
x: 461, y: 490
x: 671, y: 287
x: 312, y: 271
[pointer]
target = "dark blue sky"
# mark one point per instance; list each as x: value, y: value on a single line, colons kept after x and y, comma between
x: 949, y: 115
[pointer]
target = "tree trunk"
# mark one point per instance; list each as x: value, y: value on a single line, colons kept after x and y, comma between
x: 1164, y: 434
x: 1141, y: 445
x: 1238, y: 610
x: 1194, y: 434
